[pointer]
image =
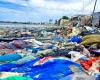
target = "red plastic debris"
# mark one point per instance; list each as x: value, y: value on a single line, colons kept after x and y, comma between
x: 88, y: 63
x: 44, y: 59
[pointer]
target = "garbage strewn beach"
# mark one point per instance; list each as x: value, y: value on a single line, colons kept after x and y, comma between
x: 70, y: 51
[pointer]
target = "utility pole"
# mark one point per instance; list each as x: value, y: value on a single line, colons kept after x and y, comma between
x: 94, y: 6
x: 94, y: 10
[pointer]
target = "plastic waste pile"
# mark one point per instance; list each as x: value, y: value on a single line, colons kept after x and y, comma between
x: 61, y: 56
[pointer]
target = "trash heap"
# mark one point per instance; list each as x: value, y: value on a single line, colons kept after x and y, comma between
x: 64, y: 55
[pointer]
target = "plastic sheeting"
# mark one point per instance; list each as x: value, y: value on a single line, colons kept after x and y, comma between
x: 24, y: 59
x: 98, y: 77
x: 16, y: 78
x: 17, y: 44
x: 13, y: 67
x: 9, y: 57
x: 55, y: 67
x: 77, y: 76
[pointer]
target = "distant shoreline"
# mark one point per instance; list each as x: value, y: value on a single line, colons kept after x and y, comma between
x: 21, y: 22
x: 10, y: 24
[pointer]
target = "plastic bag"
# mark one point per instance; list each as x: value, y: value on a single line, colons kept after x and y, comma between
x: 75, y: 39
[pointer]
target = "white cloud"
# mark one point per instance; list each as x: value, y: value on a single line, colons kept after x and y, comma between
x: 51, y: 9
x: 76, y: 7
x: 55, y: 5
x: 60, y: 6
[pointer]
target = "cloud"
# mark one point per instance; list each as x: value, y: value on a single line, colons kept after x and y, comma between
x: 65, y: 7
x: 43, y: 10
x: 12, y: 5
x: 7, y: 14
x: 19, y: 2
x: 55, y: 5
x: 70, y: 5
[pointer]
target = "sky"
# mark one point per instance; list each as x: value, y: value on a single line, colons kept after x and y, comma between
x: 43, y: 10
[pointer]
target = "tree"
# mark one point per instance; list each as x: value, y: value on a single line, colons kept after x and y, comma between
x: 65, y: 17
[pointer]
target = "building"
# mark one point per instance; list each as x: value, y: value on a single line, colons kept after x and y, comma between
x: 96, y: 19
